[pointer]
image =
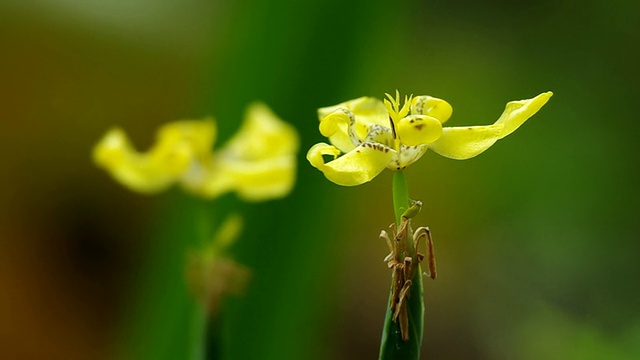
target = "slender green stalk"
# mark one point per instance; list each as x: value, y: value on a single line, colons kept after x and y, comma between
x: 198, y: 330
x: 392, y: 346
x: 400, y: 195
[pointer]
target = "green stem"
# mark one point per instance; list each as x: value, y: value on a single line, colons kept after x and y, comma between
x: 400, y: 196
x: 198, y: 331
x: 392, y: 346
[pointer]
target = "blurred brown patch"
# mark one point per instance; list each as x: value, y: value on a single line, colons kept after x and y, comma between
x: 67, y: 250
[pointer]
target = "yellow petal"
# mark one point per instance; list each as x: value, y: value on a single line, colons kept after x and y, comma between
x: 366, y: 110
x: 262, y: 135
x: 431, y: 106
x: 356, y: 167
x: 256, y: 180
x: 335, y: 126
x: 199, y: 135
x: 149, y: 172
x: 314, y: 155
x: 258, y: 163
x: 416, y: 130
x: 517, y: 112
x: 466, y: 142
x: 268, y: 179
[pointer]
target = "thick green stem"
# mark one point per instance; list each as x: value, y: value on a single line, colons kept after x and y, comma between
x: 392, y: 346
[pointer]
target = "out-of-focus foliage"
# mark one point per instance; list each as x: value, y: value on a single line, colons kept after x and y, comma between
x: 536, y: 240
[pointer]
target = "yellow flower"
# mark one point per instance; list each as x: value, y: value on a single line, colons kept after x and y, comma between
x: 373, y: 135
x: 258, y: 162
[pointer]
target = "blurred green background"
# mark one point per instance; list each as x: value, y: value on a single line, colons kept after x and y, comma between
x: 536, y: 239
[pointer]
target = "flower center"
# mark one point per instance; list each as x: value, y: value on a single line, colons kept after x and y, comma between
x: 396, y: 113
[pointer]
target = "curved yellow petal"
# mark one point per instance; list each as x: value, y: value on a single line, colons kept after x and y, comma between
x: 257, y: 180
x: 335, y: 127
x: 268, y: 179
x: 149, y: 172
x: 517, y: 112
x: 258, y: 163
x: 314, y: 155
x: 466, y: 142
x: 431, y: 106
x: 416, y: 130
x: 261, y: 135
x: 462, y: 143
x: 365, y: 110
x: 356, y: 167
x: 199, y: 135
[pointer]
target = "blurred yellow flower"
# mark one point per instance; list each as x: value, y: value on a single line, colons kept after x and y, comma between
x: 374, y: 135
x: 258, y: 163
